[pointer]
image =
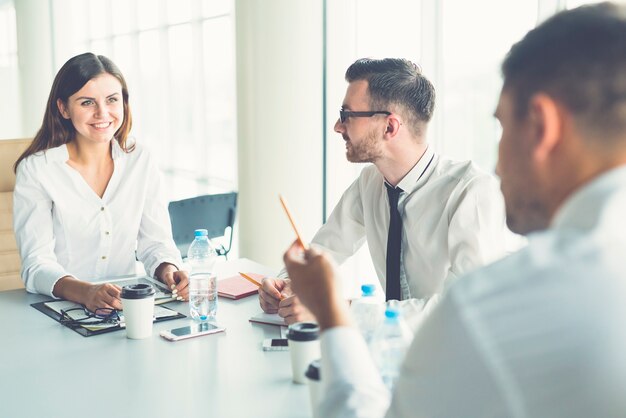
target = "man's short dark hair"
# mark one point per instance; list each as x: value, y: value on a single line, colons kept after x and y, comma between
x: 396, y: 81
x: 578, y: 57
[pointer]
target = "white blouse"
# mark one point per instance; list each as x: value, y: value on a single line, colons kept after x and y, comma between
x: 63, y: 228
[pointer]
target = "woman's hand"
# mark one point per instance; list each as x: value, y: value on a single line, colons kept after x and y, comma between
x: 105, y: 295
x: 176, y: 280
x: 93, y: 296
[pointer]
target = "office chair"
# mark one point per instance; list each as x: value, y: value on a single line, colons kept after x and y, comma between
x: 215, y: 213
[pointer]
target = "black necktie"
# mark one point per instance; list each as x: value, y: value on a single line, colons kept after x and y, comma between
x: 394, y: 244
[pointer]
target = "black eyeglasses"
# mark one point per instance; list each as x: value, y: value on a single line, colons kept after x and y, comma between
x: 345, y: 114
x: 75, y: 317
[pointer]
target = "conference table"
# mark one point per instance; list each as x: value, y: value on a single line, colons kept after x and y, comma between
x: 48, y: 370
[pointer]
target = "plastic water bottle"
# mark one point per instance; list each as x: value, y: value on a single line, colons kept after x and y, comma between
x: 201, y: 257
x: 389, y: 346
x: 368, y: 311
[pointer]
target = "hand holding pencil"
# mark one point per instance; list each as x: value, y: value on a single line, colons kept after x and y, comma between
x: 275, y: 295
x: 257, y: 284
x: 272, y: 291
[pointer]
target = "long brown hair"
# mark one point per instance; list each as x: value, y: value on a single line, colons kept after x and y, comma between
x: 75, y: 73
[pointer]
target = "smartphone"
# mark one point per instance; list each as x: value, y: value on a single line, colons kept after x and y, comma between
x: 275, y: 344
x: 194, y: 330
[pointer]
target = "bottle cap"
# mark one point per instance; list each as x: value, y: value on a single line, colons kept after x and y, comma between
x: 392, y: 313
x: 137, y: 291
x: 303, y: 331
x: 201, y: 233
x: 368, y: 289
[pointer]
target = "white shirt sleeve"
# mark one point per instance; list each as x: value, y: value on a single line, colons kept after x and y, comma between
x: 32, y: 223
x: 352, y: 386
x: 155, y: 244
x: 476, y: 228
x: 344, y: 232
x: 445, y: 373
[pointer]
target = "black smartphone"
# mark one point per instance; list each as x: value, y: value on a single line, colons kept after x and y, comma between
x: 275, y: 344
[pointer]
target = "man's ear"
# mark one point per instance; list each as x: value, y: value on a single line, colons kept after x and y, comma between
x: 62, y: 109
x: 546, y: 118
x: 393, y: 126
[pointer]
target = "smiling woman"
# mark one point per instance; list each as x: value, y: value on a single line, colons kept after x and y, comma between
x: 96, y: 110
x: 86, y: 199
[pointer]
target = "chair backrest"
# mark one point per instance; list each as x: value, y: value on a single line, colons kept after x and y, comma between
x: 215, y: 213
x: 10, y: 265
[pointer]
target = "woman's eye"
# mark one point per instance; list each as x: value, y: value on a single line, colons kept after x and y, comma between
x: 112, y: 99
x: 87, y: 103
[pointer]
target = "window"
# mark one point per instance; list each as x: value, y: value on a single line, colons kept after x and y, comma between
x: 179, y: 62
x: 473, y: 46
x: 459, y: 46
x: 10, y: 126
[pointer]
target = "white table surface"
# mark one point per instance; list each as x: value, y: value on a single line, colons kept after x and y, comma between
x: 48, y: 370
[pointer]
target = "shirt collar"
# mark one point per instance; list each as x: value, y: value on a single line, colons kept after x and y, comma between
x: 60, y: 154
x: 57, y: 154
x: 411, y: 181
x: 586, y: 206
x: 116, y: 150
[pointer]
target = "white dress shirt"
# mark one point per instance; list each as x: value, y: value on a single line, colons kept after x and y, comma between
x: 453, y: 221
x: 538, y: 334
x: 63, y: 228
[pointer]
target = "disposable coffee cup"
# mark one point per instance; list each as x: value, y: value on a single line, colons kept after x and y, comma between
x: 315, y: 386
x: 304, y: 347
x: 138, y: 306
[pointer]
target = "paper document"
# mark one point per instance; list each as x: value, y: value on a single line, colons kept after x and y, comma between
x: 265, y: 318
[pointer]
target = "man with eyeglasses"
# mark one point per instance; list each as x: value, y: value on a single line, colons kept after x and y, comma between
x: 427, y: 219
x: 540, y: 333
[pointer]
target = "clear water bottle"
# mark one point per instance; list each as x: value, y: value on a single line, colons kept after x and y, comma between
x: 368, y: 311
x: 201, y: 257
x: 389, y: 346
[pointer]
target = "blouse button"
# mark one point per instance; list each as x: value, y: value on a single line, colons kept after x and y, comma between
x: 102, y: 208
x: 104, y: 257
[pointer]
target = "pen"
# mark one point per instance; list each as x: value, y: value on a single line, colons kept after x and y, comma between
x: 293, y: 224
x: 251, y: 280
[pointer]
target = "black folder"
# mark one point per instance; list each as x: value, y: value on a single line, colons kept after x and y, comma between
x: 85, y: 332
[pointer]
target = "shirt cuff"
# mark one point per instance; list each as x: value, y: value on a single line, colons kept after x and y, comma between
x: 44, y: 280
x: 345, y: 357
